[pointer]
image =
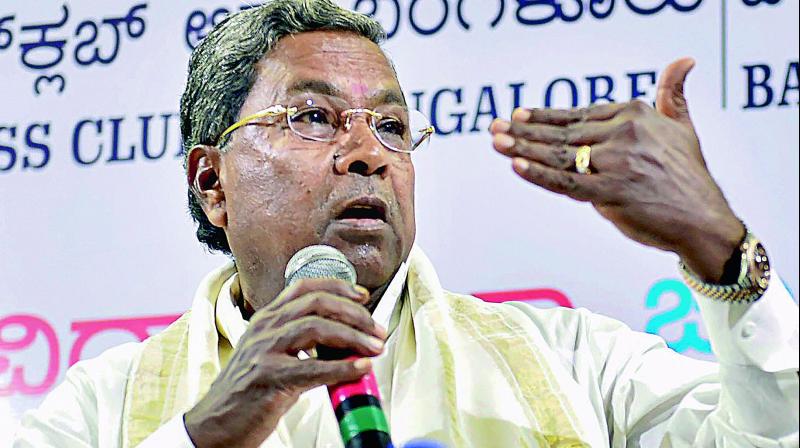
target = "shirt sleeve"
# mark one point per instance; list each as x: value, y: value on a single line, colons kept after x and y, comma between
x: 657, y: 397
x: 172, y: 434
x: 83, y: 411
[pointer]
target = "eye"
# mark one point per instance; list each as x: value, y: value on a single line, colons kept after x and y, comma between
x: 391, y: 126
x: 312, y: 116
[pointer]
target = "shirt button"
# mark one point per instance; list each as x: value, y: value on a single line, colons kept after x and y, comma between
x: 748, y: 329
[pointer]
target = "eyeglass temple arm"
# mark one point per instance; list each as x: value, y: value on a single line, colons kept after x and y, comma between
x: 426, y: 134
x: 273, y: 111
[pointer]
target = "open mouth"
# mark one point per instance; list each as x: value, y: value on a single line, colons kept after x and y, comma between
x: 363, y: 210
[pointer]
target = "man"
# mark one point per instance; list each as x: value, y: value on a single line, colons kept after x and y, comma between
x: 297, y: 134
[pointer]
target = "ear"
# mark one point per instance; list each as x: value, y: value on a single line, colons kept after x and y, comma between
x: 203, y: 168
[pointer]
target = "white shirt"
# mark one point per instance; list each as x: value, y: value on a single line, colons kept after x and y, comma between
x: 756, y: 345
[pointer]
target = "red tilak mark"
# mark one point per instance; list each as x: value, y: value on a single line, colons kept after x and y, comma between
x: 359, y: 89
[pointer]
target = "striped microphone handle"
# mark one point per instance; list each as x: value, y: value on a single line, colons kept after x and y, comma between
x: 357, y: 405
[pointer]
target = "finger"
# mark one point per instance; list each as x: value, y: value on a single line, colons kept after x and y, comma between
x: 580, y: 187
x: 308, y: 332
x: 587, y: 133
x: 329, y: 306
x: 560, y: 157
x: 333, y: 286
x: 311, y: 373
x: 574, y: 135
x: 670, y: 99
x: 561, y: 117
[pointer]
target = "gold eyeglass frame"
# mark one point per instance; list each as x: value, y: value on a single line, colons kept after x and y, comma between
x: 278, y: 110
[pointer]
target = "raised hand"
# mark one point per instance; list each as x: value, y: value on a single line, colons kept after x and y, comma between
x: 648, y: 175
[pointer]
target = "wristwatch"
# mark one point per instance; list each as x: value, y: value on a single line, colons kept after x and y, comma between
x: 753, y: 280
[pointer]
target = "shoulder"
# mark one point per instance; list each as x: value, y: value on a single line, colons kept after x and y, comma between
x: 566, y: 332
x: 113, y: 363
x: 93, y: 391
x: 582, y: 328
x: 547, y: 321
x: 552, y: 327
x: 101, y: 377
x: 105, y: 377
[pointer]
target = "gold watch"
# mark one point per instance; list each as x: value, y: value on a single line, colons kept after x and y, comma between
x: 753, y: 278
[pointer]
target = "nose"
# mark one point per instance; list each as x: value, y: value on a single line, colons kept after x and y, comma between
x: 361, y: 152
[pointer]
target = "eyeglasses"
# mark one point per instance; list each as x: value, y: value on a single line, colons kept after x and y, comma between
x: 315, y: 117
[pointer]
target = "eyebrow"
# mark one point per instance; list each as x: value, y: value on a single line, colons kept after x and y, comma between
x: 313, y: 86
x: 391, y: 96
x: 384, y: 96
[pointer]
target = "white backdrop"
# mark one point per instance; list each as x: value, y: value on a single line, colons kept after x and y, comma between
x: 97, y: 248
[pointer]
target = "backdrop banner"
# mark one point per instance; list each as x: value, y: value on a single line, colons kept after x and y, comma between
x: 97, y: 247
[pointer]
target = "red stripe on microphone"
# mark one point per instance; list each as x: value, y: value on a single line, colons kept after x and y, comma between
x: 367, y: 385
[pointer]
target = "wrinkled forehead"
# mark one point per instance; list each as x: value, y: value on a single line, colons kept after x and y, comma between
x: 331, y: 63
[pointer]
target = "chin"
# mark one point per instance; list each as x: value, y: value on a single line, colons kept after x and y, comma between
x: 374, y: 266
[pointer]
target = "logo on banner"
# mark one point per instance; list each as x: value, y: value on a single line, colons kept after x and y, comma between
x: 684, y: 315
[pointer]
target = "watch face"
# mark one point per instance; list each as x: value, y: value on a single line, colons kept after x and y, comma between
x: 759, y: 265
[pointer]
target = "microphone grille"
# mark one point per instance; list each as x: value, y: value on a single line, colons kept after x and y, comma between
x: 319, y: 262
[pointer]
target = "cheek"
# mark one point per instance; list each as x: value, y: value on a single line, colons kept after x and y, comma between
x: 404, y: 189
x: 269, y: 194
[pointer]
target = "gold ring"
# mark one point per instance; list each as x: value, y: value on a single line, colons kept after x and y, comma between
x: 583, y: 158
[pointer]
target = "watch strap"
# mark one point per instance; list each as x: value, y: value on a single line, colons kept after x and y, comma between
x: 749, y: 286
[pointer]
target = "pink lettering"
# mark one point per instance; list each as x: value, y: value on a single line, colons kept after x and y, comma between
x: 32, y: 326
x: 138, y: 326
x: 527, y: 295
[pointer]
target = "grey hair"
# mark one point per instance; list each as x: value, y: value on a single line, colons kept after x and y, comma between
x: 222, y: 72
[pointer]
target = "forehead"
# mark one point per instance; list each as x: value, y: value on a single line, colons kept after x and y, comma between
x: 352, y: 66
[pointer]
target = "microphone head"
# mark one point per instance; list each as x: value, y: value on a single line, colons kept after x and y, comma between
x: 319, y: 262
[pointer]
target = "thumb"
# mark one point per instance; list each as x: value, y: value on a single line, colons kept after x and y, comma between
x: 670, y: 100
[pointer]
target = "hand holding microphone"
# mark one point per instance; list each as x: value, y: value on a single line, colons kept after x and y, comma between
x: 264, y: 377
x: 357, y: 404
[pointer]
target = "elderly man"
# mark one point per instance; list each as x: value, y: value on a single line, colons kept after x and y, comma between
x: 297, y: 133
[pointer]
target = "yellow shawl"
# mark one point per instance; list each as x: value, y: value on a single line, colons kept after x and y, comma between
x: 456, y: 369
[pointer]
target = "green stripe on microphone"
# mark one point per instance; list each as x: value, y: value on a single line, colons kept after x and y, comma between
x: 368, y: 418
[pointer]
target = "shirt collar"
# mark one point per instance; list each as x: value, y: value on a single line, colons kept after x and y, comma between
x: 232, y: 325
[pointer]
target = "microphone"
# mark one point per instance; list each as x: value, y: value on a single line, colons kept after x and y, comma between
x: 357, y: 405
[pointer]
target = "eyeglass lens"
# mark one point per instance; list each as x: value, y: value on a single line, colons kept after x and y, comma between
x: 319, y: 117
